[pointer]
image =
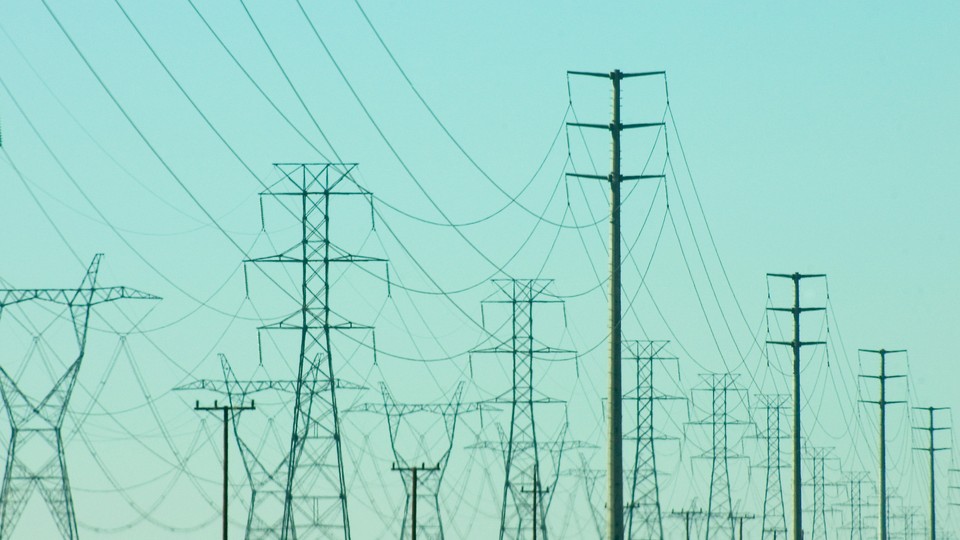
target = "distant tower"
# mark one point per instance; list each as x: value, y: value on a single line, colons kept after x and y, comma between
x: 525, y: 500
x: 721, y: 388
x: 35, y: 456
x: 644, y: 513
x: 774, y: 517
x: 315, y: 499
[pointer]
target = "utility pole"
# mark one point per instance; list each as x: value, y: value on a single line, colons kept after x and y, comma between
x: 537, y: 493
x: 882, y: 403
x: 687, y: 516
x: 738, y: 519
x: 796, y: 345
x: 226, y: 410
x: 615, y: 522
x: 932, y: 449
x: 414, y: 474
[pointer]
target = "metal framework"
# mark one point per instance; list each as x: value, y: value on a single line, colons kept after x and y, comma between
x: 818, y: 483
x: 35, y: 455
x: 719, y: 506
x: 522, y: 448
x: 644, y: 513
x: 854, y: 482
x: 315, y: 497
x: 425, y: 471
x: 774, y: 524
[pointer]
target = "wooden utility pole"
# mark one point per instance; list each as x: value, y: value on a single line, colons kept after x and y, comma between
x: 796, y: 345
x: 414, y: 473
x: 615, y: 522
x: 687, y: 516
x: 226, y: 410
x: 882, y: 403
x: 536, y: 491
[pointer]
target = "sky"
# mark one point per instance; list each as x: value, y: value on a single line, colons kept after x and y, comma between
x: 811, y: 137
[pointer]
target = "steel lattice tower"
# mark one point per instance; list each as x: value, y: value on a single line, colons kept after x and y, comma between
x: 644, y: 513
x: 267, y: 480
x: 774, y: 525
x: 315, y: 498
x: 35, y: 455
x: 720, y: 506
x: 855, y: 504
x: 431, y: 468
x: 818, y: 458
x: 522, y: 489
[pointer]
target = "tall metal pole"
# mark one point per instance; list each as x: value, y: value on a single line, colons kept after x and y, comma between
x: 932, y: 449
x: 796, y: 345
x: 797, y: 479
x: 413, y: 510
x: 615, y: 522
x: 615, y: 394
x: 933, y: 494
x: 882, y: 378
x: 883, y: 447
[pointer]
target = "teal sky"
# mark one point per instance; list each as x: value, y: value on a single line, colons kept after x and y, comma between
x: 820, y: 137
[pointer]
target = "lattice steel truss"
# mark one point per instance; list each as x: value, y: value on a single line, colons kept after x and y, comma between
x: 523, y: 480
x: 644, y: 513
x: 774, y: 525
x: 721, y: 388
x: 315, y: 498
x: 35, y: 456
x: 401, y: 419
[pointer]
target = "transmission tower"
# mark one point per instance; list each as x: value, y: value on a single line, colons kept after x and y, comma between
x: 882, y: 403
x: 522, y: 452
x: 615, y: 506
x: 855, y: 504
x: 818, y: 458
x: 721, y: 417
x: 267, y: 479
x: 426, y: 470
x: 774, y: 524
x: 644, y: 514
x: 35, y: 455
x: 590, y: 477
x: 315, y: 497
x: 796, y: 345
x: 932, y: 449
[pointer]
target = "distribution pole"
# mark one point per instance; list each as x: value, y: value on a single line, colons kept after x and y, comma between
x: 414, y: 473
x: 796, y: 345
x: 226, y: 409
x: 882, y: 403
x: 537, y: 491
x: 615, y: 521
x: 932, y: 449
x: 739, y: 519
x: 687, y: 516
